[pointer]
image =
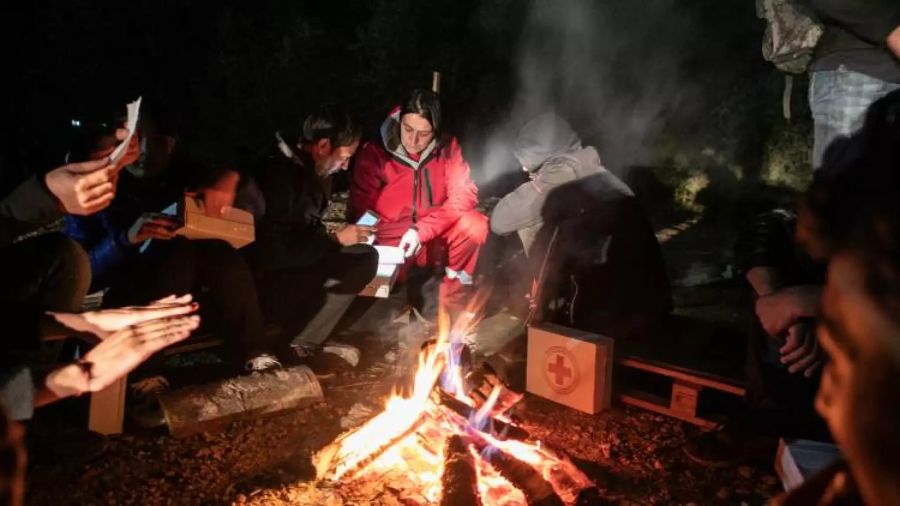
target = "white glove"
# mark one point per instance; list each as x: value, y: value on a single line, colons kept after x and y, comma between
x: 410, y: 243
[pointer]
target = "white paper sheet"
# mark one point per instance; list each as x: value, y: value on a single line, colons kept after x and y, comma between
x: 389, y: 255
x: 134, y: 109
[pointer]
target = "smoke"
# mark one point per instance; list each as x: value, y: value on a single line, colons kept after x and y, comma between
x: 614, y: 69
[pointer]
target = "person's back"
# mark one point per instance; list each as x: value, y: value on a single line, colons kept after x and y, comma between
x: 604, y: 257
x: 592, y: 244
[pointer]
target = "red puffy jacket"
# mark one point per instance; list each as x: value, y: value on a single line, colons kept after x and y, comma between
x: 430, y: 193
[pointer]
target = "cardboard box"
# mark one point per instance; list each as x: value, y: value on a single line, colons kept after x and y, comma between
x: 235, y: 226
x: 797, y: 460
x: 569, y: 366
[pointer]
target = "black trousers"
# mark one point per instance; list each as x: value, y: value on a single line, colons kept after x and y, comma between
x: 309, y: 301
x: 45, y: 273
x: 214, y: 272
x: 780, y: 403
x: 49, y: 271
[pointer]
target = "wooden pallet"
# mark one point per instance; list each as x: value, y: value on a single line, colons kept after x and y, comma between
x: 686, y: 390
x: 670, y: 373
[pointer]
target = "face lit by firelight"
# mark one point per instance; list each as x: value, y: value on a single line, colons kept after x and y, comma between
x: 861, y: 340
x: 330, y: 160
x: 416, y: 133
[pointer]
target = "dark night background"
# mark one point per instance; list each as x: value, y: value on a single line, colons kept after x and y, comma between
x: 644, y: 81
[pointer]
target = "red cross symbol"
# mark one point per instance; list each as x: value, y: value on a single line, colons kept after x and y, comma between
x: 559, y: 370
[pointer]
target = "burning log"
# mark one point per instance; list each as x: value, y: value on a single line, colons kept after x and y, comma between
x: 500, y: 429
x: 460, y: 480
x: 328, y: 460
x: 486, y: 381
x: 537, y: 490
x: 440, y: 441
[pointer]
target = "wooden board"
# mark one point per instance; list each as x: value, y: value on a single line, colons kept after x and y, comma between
x: 677, y: 373
x: 692, y: 357
x: 686, y: 389
x: 661, y: 405
x: 107, y: 408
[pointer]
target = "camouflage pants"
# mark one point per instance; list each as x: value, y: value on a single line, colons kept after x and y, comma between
x: 838, y: 100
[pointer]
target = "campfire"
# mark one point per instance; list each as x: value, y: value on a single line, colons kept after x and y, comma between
x: 451, y: 440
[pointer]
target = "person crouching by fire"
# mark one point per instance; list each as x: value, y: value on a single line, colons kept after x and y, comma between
x: 308, y: 277
x: 415, y: 179
x: 588, y: 240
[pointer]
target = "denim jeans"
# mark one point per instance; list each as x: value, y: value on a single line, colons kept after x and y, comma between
x: 839, y: 100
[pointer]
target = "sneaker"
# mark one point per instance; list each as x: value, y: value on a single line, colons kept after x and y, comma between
x: 303, y: 352
x: 149, y: 387
x: 262, y: 362
x: 350, y: 354
x: 145, y: 410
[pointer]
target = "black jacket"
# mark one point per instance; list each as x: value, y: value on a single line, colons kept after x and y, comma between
x: 855, y: 36
x: 291, y: 234
x: 29, y: 207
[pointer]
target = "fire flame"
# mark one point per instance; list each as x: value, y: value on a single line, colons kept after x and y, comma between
x: 408, y: 437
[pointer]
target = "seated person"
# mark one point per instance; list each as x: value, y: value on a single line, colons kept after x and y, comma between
x: 415, y: 178
x: 307, y: 276
x: 135, y: 274
x: 852, y: 218
x: 590, y: 241
x: 783, y: 356
x: 125, y: 337
x: 50, y: 271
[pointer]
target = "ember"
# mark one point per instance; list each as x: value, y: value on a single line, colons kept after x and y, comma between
x: 444, y: 443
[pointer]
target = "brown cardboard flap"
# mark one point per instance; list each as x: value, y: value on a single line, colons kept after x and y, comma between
x: 235, y: 226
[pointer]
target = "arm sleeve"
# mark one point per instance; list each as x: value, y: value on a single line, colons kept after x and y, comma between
x: 462, y: 196
x: 104, y: 236
x: 767, y: 242
x: 286, y: 239
x: 366, y: 184
x: 871, y: 20
x: 522, y: 208
x: 28, y: 207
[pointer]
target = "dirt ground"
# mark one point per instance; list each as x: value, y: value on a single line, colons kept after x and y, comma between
x: 634, y: 457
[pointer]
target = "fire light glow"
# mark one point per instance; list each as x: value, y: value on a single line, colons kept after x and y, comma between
x: 408, y: 438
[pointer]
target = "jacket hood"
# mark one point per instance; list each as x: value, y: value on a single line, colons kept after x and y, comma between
x: 543, y: 137
x: 390, y: 137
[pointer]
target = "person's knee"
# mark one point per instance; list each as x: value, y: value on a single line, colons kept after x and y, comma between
x: 360, y: 268
x: 67, y: 270
x: 474, y: 227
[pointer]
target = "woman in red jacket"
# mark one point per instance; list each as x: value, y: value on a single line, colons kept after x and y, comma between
x: 418, y: 183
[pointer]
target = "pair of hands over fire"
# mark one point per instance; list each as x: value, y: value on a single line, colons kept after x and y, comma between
x: 126, y: 337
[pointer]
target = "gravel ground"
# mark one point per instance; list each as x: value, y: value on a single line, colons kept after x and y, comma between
x: 635, y: 457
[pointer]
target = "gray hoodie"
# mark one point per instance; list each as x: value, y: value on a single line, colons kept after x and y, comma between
x: 552, y: 153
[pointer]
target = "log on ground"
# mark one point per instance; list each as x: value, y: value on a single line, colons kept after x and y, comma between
x: 206, y: 407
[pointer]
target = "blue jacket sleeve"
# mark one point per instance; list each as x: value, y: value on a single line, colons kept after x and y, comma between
x: 107, y: 245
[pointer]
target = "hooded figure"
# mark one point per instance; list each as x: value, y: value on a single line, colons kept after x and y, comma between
x: 417, y: 181
x: 589, y: 241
